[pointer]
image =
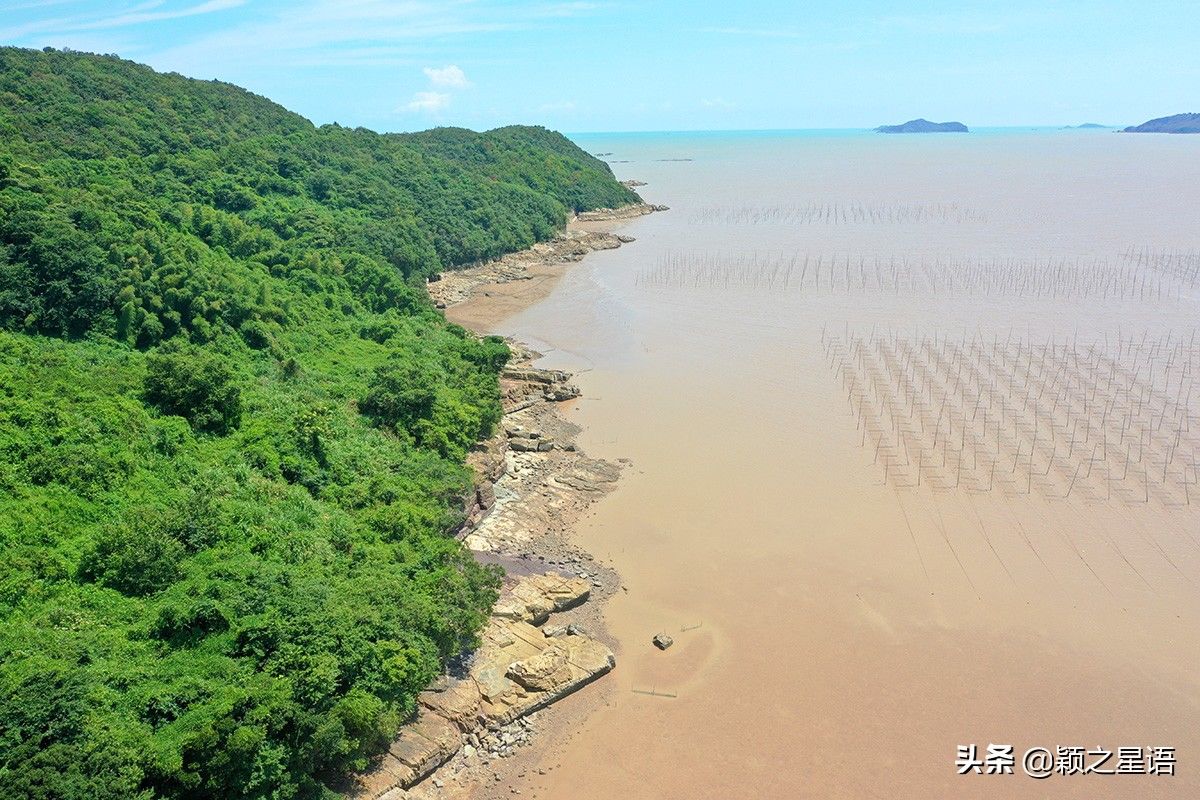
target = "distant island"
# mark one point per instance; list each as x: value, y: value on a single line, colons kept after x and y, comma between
x: 1180, y: 123
x: 1086, y: 126
x: 923, y: 126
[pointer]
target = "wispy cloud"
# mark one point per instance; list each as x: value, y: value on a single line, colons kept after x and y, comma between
x: 324, y: 29
x: 25, y: 4
x: 810, y: 41
x: 716, y: 102
x: 152, y: 11
x: 145, y: 14
x: 564, y: 9
x: 428, y: 102
x: 767, y: 33
x: 964, y: 23
x: 447, y: 77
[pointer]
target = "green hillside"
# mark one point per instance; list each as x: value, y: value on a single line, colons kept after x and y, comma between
x: 232, y: 427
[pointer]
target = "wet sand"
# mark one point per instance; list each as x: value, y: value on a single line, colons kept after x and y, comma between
x: 492, y: 303
x: 838, y: 630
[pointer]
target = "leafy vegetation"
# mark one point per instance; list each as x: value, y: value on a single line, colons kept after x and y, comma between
x: 232, y: 427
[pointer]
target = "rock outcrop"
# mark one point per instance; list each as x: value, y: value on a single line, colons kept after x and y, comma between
x: 624, y: 212
x: 529, y: 477
x: 543, y: 672
x: 536, y: 597
x: 456, y: 285
x: 521, y: 387
x: 570, y: 246
x: 544, y: 384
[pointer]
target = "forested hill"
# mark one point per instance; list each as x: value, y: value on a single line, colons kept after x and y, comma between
x: 121, y: 162
x: 232, y: 427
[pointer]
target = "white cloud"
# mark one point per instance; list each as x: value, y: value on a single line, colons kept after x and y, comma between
x: 447, y: 77
x: 716, y: 102
x: 428, y: 102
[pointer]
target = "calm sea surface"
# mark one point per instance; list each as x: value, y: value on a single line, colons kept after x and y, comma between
x: 914, y: 424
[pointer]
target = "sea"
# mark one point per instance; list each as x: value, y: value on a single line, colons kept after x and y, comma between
x: 911, y: 427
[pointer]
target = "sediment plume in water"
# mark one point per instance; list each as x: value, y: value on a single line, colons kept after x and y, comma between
x: 939, y: 488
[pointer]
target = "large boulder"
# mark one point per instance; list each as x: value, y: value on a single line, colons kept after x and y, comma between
x: 548, y: 671
x: 536, y: 597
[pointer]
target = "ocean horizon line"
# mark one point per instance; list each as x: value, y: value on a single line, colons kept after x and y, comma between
x: 767, y: 131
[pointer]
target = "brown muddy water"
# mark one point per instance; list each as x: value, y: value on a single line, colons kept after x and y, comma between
x: 914, y: 424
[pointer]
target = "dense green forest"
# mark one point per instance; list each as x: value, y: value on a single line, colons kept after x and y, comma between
x: 232, y: 427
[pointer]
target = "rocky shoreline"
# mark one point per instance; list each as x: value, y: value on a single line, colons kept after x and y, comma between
x: 568, y: 247
x: 481, y: 711
x: 544, y: 640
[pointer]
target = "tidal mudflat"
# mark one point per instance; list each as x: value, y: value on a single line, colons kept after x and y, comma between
x: 914, y: 431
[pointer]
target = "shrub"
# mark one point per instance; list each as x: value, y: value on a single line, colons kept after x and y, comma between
x: 402, y: 393
x: 195, y: 384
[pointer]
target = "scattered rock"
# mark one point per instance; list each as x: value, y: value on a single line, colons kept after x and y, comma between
x: 662, y: 641
x: 522, y: 445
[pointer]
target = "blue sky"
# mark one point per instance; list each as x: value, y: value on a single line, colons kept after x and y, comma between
x: 657, y: 64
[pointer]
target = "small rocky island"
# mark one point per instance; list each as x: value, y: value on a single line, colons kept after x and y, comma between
x: 924, y: 126
x: 1179, y: 123
x: 1087, y: 126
